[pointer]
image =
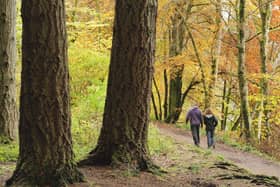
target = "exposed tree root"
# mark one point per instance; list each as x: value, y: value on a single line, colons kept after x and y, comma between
x: 239, y: 173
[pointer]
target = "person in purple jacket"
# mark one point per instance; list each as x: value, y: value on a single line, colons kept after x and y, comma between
x: 194, y: 116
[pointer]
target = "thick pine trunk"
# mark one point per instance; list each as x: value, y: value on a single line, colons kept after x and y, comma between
x: 243, y: 87
x: 8, y: 109
x: 46, y: 155
x: 123, y: 138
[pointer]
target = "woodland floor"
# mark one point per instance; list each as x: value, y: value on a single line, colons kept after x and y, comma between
x: 186, y: 166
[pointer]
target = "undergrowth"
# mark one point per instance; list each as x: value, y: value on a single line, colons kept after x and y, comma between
x: 88, y: 72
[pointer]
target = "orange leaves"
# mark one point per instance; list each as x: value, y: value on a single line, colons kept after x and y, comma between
x: 275, y: 21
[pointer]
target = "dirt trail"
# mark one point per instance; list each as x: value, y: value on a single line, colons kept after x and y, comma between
x: 253, y: 163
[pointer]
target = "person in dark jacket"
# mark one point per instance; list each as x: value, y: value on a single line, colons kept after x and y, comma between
x: 194, y: 116
x: 210, y: 122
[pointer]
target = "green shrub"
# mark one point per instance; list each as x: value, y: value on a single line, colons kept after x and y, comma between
x: 158, y: 144
x: 9, y: 152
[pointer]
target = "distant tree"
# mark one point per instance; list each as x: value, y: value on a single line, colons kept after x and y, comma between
x: 8, y: 109
x: 265, y: 8
x: 243, y: 87
x: 215, y: 53
x: 46, y: 155
x: 123, y: 138
x: 177, y: 43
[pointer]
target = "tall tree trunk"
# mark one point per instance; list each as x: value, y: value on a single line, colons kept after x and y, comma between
x: 46, y: 156
x: 265, y: 13
x: 216, y: 52
x: 8, y: 109
x: 243, y: 87
x: 123, y: 138
x: 177, y: 40
x: 176, y: 43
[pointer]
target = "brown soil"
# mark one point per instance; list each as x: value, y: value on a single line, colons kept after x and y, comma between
x: 186, y: 166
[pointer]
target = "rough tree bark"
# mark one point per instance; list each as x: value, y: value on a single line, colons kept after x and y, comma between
x: 8, y: 109
x: 243, y: 87
x: 123, y: 138
x: 46, y: 155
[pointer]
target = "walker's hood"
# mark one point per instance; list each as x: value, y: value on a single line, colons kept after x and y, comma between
x: 209, y: 115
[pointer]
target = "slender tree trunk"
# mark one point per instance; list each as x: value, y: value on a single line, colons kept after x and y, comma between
x: 260, y: 118
x: 223, y: 128
x: 236, y: 123
x: 165, y: 105
x: 265, y: 13
x: 188, y: 89
x: 8, y: 109
x: 203, y: 77
x: 159, y: 99
x: 243, y: 87
x: 165, y: 78
x: 215, y: 54
x: 46, y: 156
x: 123, y: 138
x: 227, y: 107
x: 154, y: 106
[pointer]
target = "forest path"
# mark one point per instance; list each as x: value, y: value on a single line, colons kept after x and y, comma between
x: 253, y: 163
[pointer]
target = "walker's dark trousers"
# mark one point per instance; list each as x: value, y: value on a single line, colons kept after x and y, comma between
x: 210, y: 138
x: 195, y: 134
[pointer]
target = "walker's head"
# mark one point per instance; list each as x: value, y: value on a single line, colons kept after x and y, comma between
x: 208, y: 111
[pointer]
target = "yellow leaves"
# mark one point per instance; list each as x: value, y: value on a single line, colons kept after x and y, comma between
x: 89, y: 24
x: 177, y: 61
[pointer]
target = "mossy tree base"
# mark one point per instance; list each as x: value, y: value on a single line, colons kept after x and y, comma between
x: 120, y: 158
x: 28, y: 176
